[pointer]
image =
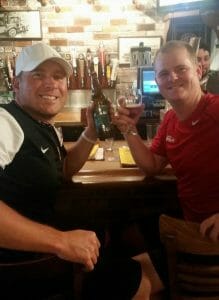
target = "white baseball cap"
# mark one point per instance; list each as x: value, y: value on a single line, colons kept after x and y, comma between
x: 32, y: 56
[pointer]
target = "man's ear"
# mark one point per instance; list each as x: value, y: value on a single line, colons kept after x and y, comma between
x: 199, y: 71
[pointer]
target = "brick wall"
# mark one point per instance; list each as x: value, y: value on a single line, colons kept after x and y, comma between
x: 68, y: 23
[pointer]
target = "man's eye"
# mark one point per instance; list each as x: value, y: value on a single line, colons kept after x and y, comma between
x: 181, y: 70
x: 36, y: 75
x: 59, y: 76
x: 163, y: 74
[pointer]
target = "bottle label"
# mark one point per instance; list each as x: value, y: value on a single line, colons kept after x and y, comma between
x: 102, y: 121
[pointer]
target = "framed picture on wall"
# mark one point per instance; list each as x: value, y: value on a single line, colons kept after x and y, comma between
x: 126, y: 43
x: 20, y: 25
x: 184, y: 28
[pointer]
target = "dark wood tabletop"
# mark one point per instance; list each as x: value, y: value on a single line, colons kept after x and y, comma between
x: 110, y: 169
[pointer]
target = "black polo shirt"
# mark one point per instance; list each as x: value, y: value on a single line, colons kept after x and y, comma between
x: 29, y: 182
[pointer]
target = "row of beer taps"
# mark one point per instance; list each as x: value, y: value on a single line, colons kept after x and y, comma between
x: 100, y: 62
x: 83, y: 64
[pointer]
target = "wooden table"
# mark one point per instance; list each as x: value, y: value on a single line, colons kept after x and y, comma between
x: 108, y: 171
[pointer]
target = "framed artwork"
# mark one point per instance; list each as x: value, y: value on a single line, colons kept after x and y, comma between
x: 126, y: 43
x: 185, y: 28
x: 20, y: 25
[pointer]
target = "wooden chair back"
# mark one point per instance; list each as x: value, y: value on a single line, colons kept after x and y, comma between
x: 193, y: 260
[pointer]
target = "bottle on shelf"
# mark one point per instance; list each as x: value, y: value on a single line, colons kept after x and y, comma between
x: 101, y: 110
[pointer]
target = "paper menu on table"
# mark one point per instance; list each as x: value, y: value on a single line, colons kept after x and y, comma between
x: 96, y: 153
x: 126, y: 158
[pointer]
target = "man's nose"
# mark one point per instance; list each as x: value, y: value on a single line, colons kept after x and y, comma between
x: 173, y: 75
x: 49, y: 81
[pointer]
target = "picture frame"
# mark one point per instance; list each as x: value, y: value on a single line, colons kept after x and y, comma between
x: 20, y: 25
x: 125, y: 44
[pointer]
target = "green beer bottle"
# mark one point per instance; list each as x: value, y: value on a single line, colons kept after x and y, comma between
x: 101, y: 110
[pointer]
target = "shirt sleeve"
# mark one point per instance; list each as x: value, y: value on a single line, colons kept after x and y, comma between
x: 159, y: 142
x: 11, y: 138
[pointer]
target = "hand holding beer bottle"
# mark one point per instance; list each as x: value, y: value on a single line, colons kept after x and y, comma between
x: 102, y: 117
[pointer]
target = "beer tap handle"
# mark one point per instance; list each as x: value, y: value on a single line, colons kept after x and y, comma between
x: 88, y: 61
x: 81, y: 63
x: 115, y: 63
x: 74, y: 61
x: 96, y: 62
x: 13, y: 59
x: 108, y: 69
x: 102, y: 58
x: 10, y: 69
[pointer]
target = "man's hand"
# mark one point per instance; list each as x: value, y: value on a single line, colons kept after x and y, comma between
x: 89, y: 116
x: 80, y: 246
x: 210, y: 227
x: 125, y: 118
x: 90, y: 130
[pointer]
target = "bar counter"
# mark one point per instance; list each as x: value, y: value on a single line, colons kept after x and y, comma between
x: 68, y: 117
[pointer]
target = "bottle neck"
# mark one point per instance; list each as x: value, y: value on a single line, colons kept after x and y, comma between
x: 96, y: 87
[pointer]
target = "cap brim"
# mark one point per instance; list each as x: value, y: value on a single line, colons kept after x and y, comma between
x: 34, y: 64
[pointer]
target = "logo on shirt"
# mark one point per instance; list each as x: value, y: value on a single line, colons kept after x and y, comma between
x: 195, y: 122
x: 170, y: 139
x: 44, y: 150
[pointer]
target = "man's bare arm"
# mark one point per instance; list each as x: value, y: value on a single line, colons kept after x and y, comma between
x: 149, y: 162
x: 20, y: 233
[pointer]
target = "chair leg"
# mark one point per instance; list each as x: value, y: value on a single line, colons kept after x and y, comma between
x: 78, y: 275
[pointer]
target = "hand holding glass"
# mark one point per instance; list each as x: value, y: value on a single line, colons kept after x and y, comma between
x: 131, y: 99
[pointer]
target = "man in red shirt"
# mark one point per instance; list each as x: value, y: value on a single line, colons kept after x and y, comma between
x: 187, y: 138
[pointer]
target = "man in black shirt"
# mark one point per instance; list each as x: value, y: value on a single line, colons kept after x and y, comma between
x: 33, y: 166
